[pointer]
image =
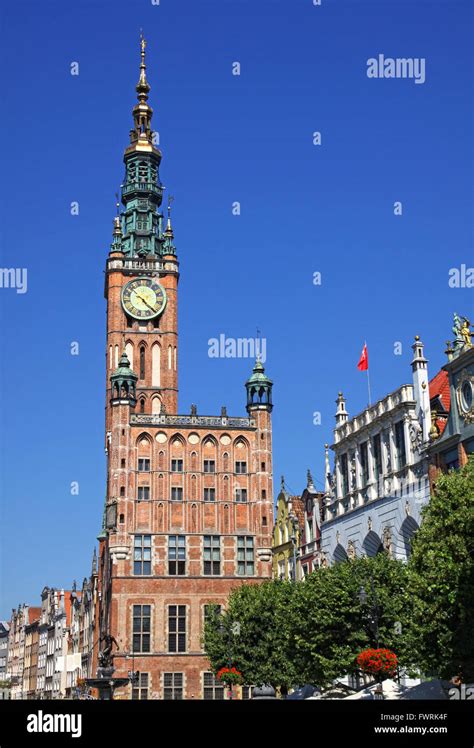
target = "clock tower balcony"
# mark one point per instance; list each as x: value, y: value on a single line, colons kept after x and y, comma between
x: 140, y: 188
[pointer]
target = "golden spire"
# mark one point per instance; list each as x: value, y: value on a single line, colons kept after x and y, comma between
x: 141, y: 135
x: 143, y: 86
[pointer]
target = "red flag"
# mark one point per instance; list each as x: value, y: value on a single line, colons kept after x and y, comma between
x: 363, y: 364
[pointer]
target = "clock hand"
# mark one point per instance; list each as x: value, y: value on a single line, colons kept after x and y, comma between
x: 146, y: 302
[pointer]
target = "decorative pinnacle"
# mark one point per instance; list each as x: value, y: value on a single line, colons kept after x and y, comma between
x: 169, y: 229
x: 143, y: 86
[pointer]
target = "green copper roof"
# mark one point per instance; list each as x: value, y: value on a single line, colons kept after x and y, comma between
x: 259, y: 376
x: 124, y: 371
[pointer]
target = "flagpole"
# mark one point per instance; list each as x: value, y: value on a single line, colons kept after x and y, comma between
x: 368, y: 378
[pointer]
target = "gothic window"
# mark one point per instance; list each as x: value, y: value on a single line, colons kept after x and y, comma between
x: 225, y: 461
x: 170, y: 351
x: 161, y: 459
x: 156, y: 406
x: 155, y: 365
x: 142, y: 406
x: 142, y: 362
x: 129, y: 352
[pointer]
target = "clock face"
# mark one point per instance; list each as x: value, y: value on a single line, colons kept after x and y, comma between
x: 143, y: 298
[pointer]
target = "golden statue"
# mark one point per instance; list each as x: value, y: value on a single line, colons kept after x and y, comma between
x: 465, y: 330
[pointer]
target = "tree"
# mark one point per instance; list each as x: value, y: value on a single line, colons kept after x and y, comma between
x: 253, y: 634
x: 312, y: 631
x: 331, y: 625
x: 442, y: 578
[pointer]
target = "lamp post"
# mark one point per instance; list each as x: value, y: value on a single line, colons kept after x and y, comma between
x: 231, y: 631
x: 374, y: 611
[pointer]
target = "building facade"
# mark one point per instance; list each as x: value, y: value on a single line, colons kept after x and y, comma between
x: 22, y: 617
x: 310, y: 546
x: 189, y: 503
x: 454, y: 441
x: 380, y: 480
x: 4, y: 684
x: 287, y: 533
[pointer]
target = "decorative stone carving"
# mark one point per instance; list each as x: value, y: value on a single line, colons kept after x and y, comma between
x: 465, y: 396
x: 351, y: 551
x: 387, y: 541
x: 416, y: 435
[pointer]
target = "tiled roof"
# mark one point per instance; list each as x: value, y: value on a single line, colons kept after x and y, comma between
x: 439, y: 388
x: 297, y: 505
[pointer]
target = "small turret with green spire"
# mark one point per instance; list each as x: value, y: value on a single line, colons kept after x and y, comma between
x: 123, y: 382
x: 259, y: 389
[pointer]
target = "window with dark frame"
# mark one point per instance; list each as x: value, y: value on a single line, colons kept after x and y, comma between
x: 208, y: 608
x: 241, y: 495
x: 212, y: 688
x: 176, y: 466
x: 142, y: 555
x: 212, y: 555
x: 377, y: 450
x: 173, y: 686
x: 176, y: 628
x: 364, y: 461
x: 209, y: 494
x: 344, y: 465
x: 140, y: 688
x: 143, y: 465
x: 400, y: 444
x: 176, y: 555
x: 209, y: 466
x: 141, y: 628
x: 240, y: 467
x: 143, y: 493
x: 176, y: 493
x: 142, y: 362
x: 245, y: 556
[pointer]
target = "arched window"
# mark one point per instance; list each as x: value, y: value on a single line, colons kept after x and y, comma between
x: 155, y: 365
x: 129, y: 352
x: 142, y: 406
x: 142, y: 362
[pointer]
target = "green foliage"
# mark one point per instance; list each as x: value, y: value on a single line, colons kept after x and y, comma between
x: 442, y: 578
x: 262, y: 648
x: 312, y: 631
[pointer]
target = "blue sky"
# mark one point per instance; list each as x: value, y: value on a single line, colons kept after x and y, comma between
x: 304, y: 209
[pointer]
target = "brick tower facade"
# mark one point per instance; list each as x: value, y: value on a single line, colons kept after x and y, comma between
x: 189, y: 506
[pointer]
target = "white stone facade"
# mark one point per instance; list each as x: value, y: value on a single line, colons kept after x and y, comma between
x: 380, y: 478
